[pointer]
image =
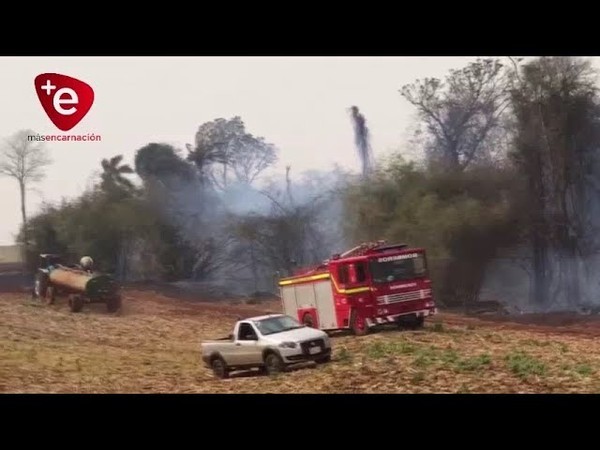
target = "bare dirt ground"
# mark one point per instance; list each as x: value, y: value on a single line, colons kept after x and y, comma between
x: 153, y: 347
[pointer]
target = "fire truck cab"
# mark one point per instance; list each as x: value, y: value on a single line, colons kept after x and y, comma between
x: 371, y: 284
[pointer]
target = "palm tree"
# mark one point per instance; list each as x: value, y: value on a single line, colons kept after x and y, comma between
x: 117, y: 187
x: 112, y: 175
x: 361, y: 138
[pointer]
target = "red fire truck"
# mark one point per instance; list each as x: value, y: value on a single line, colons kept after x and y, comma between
x: 371, y: 284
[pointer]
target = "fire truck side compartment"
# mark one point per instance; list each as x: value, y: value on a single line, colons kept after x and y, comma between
x: 305, y: 295
x: 325, y: 305
x: 288, y: 296
x: 309, y: 296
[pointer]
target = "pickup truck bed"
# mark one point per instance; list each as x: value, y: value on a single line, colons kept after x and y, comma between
x: 218, y: 340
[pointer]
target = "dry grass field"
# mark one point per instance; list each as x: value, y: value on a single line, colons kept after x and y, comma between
x: 152, y: 346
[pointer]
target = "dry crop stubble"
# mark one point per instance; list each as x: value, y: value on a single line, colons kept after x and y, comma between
x: 153, y: 346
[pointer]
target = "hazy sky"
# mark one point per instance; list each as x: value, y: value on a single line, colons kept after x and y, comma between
x: 298, y: 104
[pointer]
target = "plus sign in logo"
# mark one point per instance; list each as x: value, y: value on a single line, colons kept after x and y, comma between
x: 65, y: 99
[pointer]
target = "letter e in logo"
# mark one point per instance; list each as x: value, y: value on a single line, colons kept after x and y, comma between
x: 66, y: 100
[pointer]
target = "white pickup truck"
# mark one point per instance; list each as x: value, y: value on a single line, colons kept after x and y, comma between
x: 270, y: 343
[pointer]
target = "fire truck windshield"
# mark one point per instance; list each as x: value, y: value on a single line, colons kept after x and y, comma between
x: 388, y: 269
x: 277, y: 324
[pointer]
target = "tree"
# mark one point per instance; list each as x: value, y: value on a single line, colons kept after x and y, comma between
x: 162, y: 162
x: 461, y: 218
x: 180, y: 198
x: 295, y: 232
x: 124, y: 235
x: 557, y: 149
x: 461, y: 112
x: 23, y: 160
x: 247, y: 234
x: 112, y: 176
x: 119, y: 202
x: 224, y: 151
x: 165, y: 175
x: 362, y: 139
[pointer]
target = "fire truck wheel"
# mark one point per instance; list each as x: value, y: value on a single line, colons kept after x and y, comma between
x: 308, y: 320
x: 273, y: 363
x: 219, y: 367
x: 358, y: 325
x: 419, y: 322
x: 412, y: 322
x: 75, y: 303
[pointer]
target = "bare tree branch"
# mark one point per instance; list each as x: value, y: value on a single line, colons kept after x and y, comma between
x: 24, y: 160
x: 461, y: 113
x: 221, y: 145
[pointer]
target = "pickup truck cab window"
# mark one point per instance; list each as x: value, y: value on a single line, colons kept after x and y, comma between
x: 246, y: 332
x: 277, y: 324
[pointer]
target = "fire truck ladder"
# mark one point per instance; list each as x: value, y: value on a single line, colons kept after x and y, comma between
x: 362, y: 249
x: 359, y: 250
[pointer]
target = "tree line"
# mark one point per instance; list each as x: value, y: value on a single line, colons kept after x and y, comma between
x: 197, y: 214
x: 509, y: 159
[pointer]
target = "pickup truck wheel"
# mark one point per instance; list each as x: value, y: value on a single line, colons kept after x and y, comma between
x: 273, y: 363
x: 324, y: 359
x: 219, y: 368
